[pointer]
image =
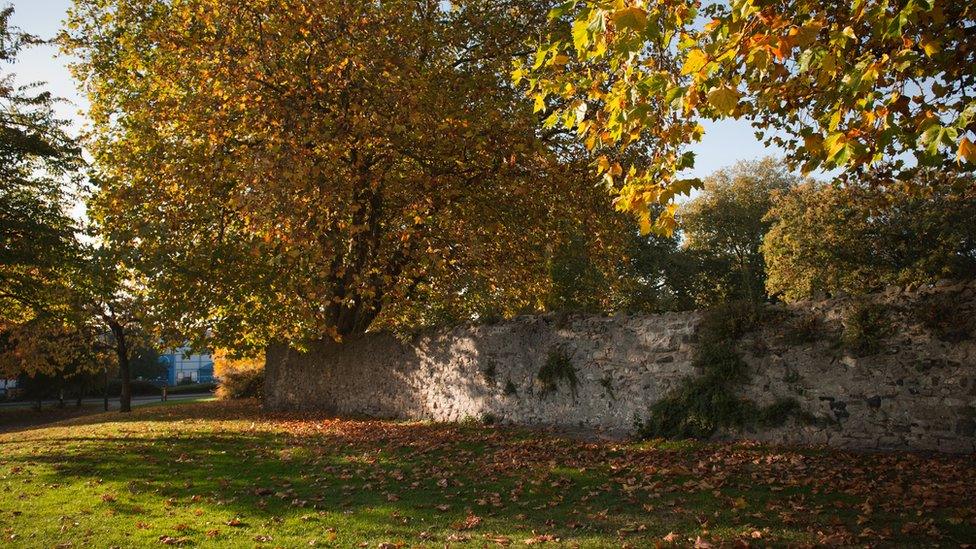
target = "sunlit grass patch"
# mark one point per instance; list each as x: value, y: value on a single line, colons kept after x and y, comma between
x: 227, y: 474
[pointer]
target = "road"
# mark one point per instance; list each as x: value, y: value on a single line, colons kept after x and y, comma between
x: 113, y: 403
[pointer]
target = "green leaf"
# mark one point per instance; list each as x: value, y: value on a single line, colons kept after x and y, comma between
x: 685, y: 186
x: 562, y: 9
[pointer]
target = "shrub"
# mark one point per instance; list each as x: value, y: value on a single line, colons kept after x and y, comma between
x: 510, y: 389
x: 558, y: 367
x: 865, y: 327
x: 236, y: 384
x: 137, y: 386
x: 701, y: 405
x: 804, y: 328
x: 941, y: 314
x: 489, y: 372
x: 192, y: 388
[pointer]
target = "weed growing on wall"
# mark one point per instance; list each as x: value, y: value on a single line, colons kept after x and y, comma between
x: 865, y: 327
x: 804, y: 328
x: 701, y: 405
x: 607, y: 383
x: 510, y: 389
x: 942, y: 315
x: 489, y: 372
x: 558, y: 368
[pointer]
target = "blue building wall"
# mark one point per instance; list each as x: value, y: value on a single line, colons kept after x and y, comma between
x: 181, y: 364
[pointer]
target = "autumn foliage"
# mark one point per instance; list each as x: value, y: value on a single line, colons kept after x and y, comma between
x: 306, y: 169
x: 842, y: 85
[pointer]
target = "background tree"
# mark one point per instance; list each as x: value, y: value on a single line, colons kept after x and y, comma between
x: 657, y: 274
x: 37, y: 162
x: 145, y: 363
x: 837, y: 84
x: 306, y: 169
x: 109, y: 296
x: 726, y: 224
x: 51, y: 356
x: 42, y: 339
x: 858, y: 238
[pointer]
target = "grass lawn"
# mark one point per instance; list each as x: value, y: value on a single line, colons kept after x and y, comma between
x: 226, y: 474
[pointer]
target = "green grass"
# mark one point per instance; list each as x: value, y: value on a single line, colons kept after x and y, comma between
x: 226, y: 474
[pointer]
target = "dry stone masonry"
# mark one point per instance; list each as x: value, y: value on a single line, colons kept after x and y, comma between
x: 906, y: 381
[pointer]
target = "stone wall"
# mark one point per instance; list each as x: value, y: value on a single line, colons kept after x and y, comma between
x: 916, y: 389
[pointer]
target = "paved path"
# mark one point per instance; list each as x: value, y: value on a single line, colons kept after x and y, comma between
x: 113, y: 403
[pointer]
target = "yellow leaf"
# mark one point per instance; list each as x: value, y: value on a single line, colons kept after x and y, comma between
x: 645, y: 223
x: 931, y: 46
x: 632, y: 18
x: 967, y: 151
x: 695, y: 62
x: 724, y: 99
x: 805, y: 35
x: 540, y: 102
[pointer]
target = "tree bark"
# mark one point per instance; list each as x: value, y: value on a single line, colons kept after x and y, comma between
x: 122, y: 351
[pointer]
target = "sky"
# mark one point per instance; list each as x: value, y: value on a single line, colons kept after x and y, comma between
x: 724, y: 144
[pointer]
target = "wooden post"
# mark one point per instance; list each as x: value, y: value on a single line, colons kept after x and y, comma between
x: 106, y: 388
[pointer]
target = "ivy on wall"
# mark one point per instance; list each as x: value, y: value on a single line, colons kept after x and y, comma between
x: 701, y: 405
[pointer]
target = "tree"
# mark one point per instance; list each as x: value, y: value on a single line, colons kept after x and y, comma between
x: 837, y: 84
x: 657, y: 275
x: 145, y: 363
x: 41, y: 339
x: 48, y: 354
x: 303, y: 169
x: 59, y: 299
x: 109, y: 296
x: 859, y: 237
x: 726, y: 225
x: 37, y: 161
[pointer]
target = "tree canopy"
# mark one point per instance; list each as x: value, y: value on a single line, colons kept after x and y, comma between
x: 859, y: 238
x: 37, y: 160
x: 725, y: 227
x: 302, y: 169
x: 836, y: 84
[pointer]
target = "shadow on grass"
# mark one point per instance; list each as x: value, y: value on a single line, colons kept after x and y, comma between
x: 301, y: 474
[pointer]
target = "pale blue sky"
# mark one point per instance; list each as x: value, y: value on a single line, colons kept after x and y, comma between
x: 724, y: 143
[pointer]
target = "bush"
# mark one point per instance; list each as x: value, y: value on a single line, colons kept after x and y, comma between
x: 191, y: 388
x: 558, y: 367
x: 802, y: 329
x: 942, y: 315
x: 701, y: 405
x: 865, y: 327
x: 139, y: 388
x: 237, y: 384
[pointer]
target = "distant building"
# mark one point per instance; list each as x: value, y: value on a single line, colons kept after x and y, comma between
x: 8, y: 388
x: 182, y: 366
